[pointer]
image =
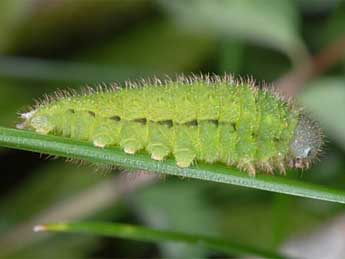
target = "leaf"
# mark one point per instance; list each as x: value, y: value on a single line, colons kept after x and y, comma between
x: 325, y: 98
x: 272, y: 23
x: 147, y: 234
x: 58, y: 146
x: 157, y: 46
x: 26, y: 26
x: 119, y: 59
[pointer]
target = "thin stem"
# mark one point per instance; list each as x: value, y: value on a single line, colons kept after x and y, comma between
x: 146, y: 234
x: 58, y: 146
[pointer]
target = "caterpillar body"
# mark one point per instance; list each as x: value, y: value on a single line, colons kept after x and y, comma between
x: 210, y: 119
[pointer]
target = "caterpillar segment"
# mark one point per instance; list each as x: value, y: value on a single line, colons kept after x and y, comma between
x: 210, y: 119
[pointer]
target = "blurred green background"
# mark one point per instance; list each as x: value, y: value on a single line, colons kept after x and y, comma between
x: 50, y: 44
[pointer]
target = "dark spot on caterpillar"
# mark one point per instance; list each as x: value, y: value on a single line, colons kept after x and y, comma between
x: 115, y: 118
x: 92, y: 113
x: 168, y: 123
x: 275, y: 139
x: 309, y: 152
x: 71, y: 110
x: 142, y: 121
x: 234, y: 125
x: 254, y: 135
x: 191, y: 123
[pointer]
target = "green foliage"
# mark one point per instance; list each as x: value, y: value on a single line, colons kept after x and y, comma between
x: 330, y: 90
x: 267, y: 22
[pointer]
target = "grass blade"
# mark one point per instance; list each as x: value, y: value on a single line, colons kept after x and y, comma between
x: 58, y: 146
x: 146, y: 234
x: 40, y: 69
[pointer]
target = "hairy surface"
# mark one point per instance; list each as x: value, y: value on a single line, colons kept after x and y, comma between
x: 209, y: 119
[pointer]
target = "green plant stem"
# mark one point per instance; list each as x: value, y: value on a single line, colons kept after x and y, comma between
x: 58, y: 146
x: 147, y: 234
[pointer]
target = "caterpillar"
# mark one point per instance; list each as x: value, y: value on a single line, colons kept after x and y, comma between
x: 198, y: 118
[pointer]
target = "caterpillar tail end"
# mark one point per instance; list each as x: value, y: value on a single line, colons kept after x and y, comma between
x: 307, y: 143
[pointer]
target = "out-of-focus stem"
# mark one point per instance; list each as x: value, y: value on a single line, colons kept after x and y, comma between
x: 293, y: 82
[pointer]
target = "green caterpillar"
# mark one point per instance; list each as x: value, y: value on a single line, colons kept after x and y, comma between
x: 210, y: 119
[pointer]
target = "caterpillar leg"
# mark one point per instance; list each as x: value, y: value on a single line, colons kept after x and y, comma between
x: 43, y: 124
x: 184, y: 157
x: 159, y: 139
x: 266, y: 166
x: 281, y: 168
x: 158, y: 151
x: 251, y: 170
x: 131, y: 146
x: 102, y: 141
x: 185, y: 146
x: 133, y: 137
x: 248, y: 167
x: 105, y: 133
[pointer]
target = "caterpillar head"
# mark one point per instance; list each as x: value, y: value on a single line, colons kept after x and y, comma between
x: 41, y: 123
x: 307, y: 143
